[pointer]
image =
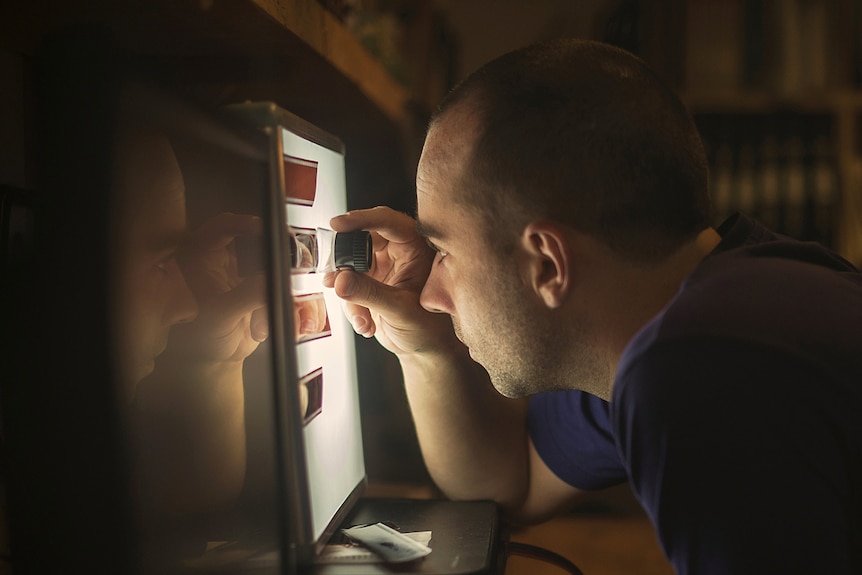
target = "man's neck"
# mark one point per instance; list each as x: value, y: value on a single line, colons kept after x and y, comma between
x: 639, y: 292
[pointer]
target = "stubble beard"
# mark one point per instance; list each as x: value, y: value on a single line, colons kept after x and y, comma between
x: 524, y: 356
x: 506, y: 346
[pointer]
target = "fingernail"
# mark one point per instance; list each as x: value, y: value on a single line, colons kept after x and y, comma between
x: 260, y: 330
x: 359, y: 324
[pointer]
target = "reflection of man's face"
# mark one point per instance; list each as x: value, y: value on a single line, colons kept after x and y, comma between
x: 150, y: 292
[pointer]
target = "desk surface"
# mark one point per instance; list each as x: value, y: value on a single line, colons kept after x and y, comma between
x: 609, y: 534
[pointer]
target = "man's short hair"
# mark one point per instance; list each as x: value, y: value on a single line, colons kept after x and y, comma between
x: 586, y: 134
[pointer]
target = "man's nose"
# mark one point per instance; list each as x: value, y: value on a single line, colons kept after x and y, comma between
x: 434, y: 297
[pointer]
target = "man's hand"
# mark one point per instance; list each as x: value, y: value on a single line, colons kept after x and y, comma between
x: 385, y: 301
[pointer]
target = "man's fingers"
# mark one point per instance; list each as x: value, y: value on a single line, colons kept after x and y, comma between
x: 358, y: 315
x: 360, y: 318
x: 362, y: 294
x: 360, y: 290
x: 388, y: 223
x: 248, y: 296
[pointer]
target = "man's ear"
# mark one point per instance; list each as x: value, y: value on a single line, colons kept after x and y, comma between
x: 549, y: 269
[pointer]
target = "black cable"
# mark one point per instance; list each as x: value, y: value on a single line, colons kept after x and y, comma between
x: 534, y: 552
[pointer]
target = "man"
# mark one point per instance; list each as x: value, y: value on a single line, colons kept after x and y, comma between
x: 563, y: 189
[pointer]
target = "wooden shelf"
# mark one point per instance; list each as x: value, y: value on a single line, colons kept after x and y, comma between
x: 325, y: 34
x: 290, y: 29
x: 291, y: 52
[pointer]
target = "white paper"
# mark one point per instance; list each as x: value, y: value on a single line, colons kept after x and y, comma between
x: 385, y: 543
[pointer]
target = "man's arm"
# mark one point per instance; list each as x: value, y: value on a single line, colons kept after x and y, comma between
x: 474, y: 441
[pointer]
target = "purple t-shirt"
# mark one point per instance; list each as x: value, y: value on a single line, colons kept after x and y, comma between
x: 736, y: 413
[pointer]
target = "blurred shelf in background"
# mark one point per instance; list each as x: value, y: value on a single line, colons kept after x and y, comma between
x: 776, y: 89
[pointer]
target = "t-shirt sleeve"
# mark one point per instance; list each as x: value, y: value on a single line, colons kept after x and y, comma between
x: 571, y: 433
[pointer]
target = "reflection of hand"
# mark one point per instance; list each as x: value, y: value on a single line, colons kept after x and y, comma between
x: 305, y: 259
x: 309, y: 316
x: 232, y: 319
x: 385, y: 302
x: 303, y: 400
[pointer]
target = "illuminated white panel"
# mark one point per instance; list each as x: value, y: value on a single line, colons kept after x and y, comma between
x: 333, y: 438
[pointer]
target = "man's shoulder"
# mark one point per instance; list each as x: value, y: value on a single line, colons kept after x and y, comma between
x: 755, y: 307
x: 765, y: 292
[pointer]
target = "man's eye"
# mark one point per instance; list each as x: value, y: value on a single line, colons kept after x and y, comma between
x: 440, y: 254
x: 437, y: 249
